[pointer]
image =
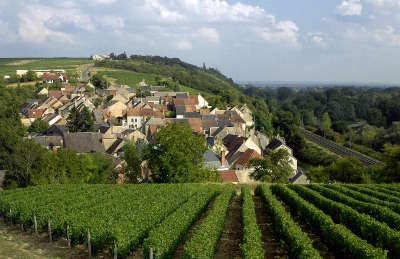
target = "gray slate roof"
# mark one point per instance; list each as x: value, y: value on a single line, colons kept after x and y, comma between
x: 84, y: 142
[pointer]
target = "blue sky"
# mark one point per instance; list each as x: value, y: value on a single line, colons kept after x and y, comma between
x: 249, y: 40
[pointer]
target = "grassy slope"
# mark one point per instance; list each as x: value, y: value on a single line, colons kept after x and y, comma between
x: 9, y: 66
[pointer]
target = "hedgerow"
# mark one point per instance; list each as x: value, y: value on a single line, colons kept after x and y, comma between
x: 298, y: 243
x: 338, y: 237
x: 205, y: 237
x: 252, y: 243
x: 375, y: 232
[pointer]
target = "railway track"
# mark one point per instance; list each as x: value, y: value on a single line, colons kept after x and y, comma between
x: 338, y: 149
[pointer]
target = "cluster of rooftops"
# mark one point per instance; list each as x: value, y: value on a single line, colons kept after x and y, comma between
x: 230, y: 133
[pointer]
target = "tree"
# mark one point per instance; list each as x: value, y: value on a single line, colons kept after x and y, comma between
x: 176, y: 156
x: 80, y: 121
x: 133, y: 163
x: 24, y: 164
x: 39, y: 126
x: 99, y: 82
x: 30, y: 76
x: 274, y: 168
x: 391, y: 170
x: 348, y: 170
x: 326, y: 122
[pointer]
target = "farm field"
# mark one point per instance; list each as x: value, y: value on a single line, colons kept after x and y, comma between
x: 9, y: 66
x: 125, y: 77
x: 212, y: 220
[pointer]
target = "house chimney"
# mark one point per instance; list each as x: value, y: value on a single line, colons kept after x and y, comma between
x: 223, y: 159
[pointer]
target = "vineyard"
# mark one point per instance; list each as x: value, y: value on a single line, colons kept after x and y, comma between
x: 213, y: 221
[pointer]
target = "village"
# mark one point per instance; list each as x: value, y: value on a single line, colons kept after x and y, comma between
x: 126, y: 114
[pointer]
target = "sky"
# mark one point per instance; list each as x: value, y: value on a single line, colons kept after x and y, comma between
x: 248, y: 40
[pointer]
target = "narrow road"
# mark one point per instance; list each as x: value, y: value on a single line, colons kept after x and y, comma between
x: 338, y: 149
x: 85, y: 73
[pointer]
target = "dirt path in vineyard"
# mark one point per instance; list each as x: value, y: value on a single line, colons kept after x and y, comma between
x: 231, y: 238
x: 271, y: 243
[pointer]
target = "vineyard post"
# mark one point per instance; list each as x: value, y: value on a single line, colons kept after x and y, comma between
x: 89, y: 245
x: 11, y: 216
x: 49, y: 227
x: 68, y: 240
x: 21, y: 223
x: 115, y: 250
x: 35, y: 224
x: 151, y: 253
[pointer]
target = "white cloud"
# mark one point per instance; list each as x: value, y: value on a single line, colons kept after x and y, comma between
x: 284, y: 32
x: 103, y: 2
x: 350, y: 8
x: 184, y: 45
x: 162, y: 12
x: 385, y: 3
x: 209, y: 34
x: 318, y: 39
x: 111, y: 22
x: 38, y: 23
x: 387, y: 35
x: 209, y: 12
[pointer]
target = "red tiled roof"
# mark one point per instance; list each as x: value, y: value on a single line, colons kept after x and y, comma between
x: 205, y: 111
x: 145, y: 113
x: 49, y: 76
x: 55, y: 93
x: 190, y: 100
x: 36, y: 113
x: 246, y: 156
x: 194, y: 99
x: 195, y: 124
x: 229, y: 176
x: 190, y: 108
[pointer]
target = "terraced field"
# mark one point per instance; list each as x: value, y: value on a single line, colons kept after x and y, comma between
x: 213, y: 221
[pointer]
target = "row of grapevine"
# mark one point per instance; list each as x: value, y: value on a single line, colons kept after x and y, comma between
x: 381, y: 188
x: 206, y: 236
x: 338, y: 237
x: 113, y: 214
x: 251, y: 246
x: 298, y: 243
x: 166, y: 237
x: 363, y: 197
x: 381, y: 213
x: 373, y: 193
x: 368, y: 228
